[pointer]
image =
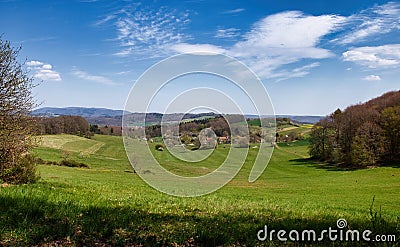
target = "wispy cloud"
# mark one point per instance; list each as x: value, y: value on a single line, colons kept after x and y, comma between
x: 39, y: 39
x: 372, y: 78
x: 375, y: 21
x: 148, y: 32
x: 43, y: 71
x: 233, y: 11
x: 95, y: 78
x: 227, y: 33
x: 105, y: 19
x: 385, y: 56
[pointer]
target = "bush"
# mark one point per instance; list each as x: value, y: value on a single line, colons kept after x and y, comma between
x: 22, y: 172
x: 65, y: 162
x: 159, y: 147
x: 72, y: 163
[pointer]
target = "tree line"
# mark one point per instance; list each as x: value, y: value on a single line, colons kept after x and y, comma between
x: 361, y: 135
x: 75, y: 125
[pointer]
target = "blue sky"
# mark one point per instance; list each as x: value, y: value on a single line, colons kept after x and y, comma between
x: 312, y: 56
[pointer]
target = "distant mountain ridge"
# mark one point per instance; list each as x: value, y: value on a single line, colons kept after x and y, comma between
x: 104, y: 116
x: 77, y: 111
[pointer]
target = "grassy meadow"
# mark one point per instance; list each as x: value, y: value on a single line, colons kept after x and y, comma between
x: 108, y: 204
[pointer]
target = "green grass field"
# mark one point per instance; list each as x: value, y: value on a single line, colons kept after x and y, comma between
x: 108, y: 204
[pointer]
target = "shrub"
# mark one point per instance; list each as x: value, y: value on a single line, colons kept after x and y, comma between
x: 73, y: 163
x: 22, y: 172
x: 159, y: 147
x: 65, y: 162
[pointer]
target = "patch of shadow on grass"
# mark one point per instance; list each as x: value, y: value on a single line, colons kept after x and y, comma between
x: 40, y: 221
x: 337, y: 167
x: 392, y: 164
x: 324, y: 165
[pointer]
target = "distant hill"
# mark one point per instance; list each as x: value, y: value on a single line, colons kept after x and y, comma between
x: 302, y: 119
x: 104, y: 116
x: 77, y: 111
x: 295, y: 118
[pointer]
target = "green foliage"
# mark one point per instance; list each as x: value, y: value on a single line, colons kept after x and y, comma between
x: 94, y: 128
x: 391, y: 127
x: 367, y: 145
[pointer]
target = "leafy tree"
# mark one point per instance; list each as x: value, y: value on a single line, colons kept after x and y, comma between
x: 321, y: 140
x: 16, y: 124
x: 367, y: 145
x: 94, y: 128
x: 391, y: 127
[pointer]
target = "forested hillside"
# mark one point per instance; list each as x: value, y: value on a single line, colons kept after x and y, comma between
x: 362, y: 135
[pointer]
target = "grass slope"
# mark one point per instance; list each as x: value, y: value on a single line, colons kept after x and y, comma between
x: 108, y: 205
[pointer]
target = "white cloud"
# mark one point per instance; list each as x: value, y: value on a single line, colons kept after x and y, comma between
x: 150, y: 32
x: 385, y: 56
x: 390, y: 8
x: 47, y: 66
x: 371, y: 22
x: 95, y: 78
x: 197, y: 48
x: 43, y: 71
x: 288, y: 30
x: 227, y: 33
x: 34, y: 63
x: 233, y: 11
x: 280, y: 39
x: 48, y: 75
x: 372, y: 78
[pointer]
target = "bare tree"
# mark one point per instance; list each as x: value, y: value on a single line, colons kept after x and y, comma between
x: 16, y: 124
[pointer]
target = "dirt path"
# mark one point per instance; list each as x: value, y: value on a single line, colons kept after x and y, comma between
x: 290, y: 152
x: 93, y: 149
x: 288, y: 128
